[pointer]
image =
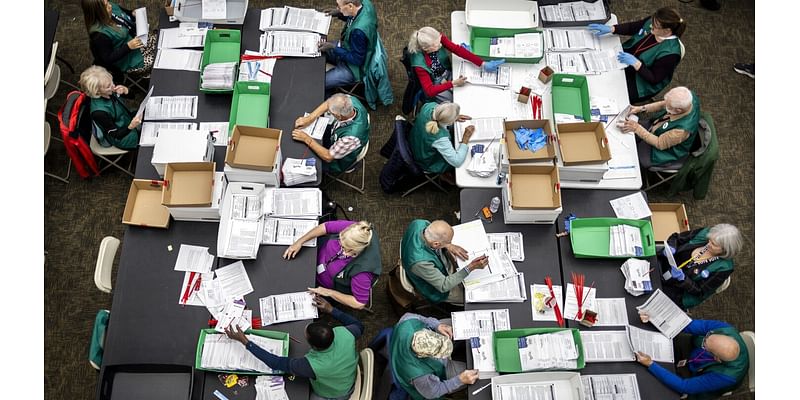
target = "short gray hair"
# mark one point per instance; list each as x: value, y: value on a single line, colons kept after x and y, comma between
x: 341, y: 104
x: 679, y: 97
x: 423, y: 37
x: 728, y: 237
x: 93, y: 79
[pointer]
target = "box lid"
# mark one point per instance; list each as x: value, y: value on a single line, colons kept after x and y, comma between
x: 254, y: 148
x: 582, y: 143
x: 143, y: 206
x: 174, y: 145
x: 189, y: 184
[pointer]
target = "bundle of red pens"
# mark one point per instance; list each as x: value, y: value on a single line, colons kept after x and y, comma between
x: 577, y: 283
x: 191, y: 288
x: 556, y: 309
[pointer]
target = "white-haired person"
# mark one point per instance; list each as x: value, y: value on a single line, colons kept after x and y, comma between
x: 430, y: 58
x: 119, y: 126
x: 345, y: 138
x: 348, y: 264
x: 430, y: 139
x: 704, y: 259
x: 672, y: 131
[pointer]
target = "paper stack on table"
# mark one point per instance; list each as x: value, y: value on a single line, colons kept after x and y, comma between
x: 285, y: 231
x: 665, y: 314
x: 271, y: 388
x: 219, y: 76
x: 625, y: 240
x: 220, y: 352
x: 287, y: 307
x: 317, y: 128
x: 478, y: 76
x: 476, y: 323
x: 178, y: 59
x: 613, y: 386
x: 292, y: 18
x: 509, y: 242
x: 150, y: 130
x: 296, y: 171
x: 176, y: 38
x: 483, y: 356
x: 508, y: 290
x: 637, y: 276
x: 548, y: 351
x: 290, y: 44
x: 570, y: 40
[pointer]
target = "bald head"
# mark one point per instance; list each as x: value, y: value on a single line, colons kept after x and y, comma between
x: 723, y: 347
x: 678, y: 100
x: 438, y: 234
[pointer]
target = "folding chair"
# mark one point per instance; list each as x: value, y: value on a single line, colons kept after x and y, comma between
x: 413, y: 97
x: 666, y: 173
x: 47, y: 136
x: 98, y: 340
x: 724, y: 286
x: 105, y: 262
x: 104, y: 153
x: 352, y: 168
x: 402, y: 127
x: 355, y: 90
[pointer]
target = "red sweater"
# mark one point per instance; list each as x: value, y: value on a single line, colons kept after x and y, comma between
x: 424, y: 77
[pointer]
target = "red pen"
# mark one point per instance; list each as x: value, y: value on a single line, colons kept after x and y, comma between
x: 188, y: 289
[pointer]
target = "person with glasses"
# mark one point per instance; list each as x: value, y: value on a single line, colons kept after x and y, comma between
x: 347, y: 263
x: 716, y: 360
x: 651, y: 54
x: 427, y: 257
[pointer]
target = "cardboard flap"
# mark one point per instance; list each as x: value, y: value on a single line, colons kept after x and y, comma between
x: 143, y: 206
x: 583, y: 143
x: 189, y: 184
x: 254, y: 148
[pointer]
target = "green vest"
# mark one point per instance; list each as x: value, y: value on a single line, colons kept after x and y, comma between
x: 120, y: 36
x: 421, y: 142
x: 719, y: 265
x: 122, y: 118
x: 406, y: 366
x: 415, y: 249
x: 359, y: 128
x: 368, y: 261
x: 688, y: 123
x: 736, y: 369
x: 366, y: 21
x: 648, y: 57
x: 418, y: 60
x: 336, y: 366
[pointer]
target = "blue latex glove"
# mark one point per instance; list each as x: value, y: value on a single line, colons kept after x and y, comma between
x: 677, y: 274
x: 491, y: 66
x: 466, y: 46
x: 599, y: 29
x: 668, y: 248
x: 626, y: 58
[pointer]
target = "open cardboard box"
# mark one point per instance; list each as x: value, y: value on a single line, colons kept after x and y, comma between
x: 144, y: 207
x: 168, y: 7
x: 517, y: 155
x: 254, y: 148
x: 583, y: 143
x: 188, y: 184
x: 534, y: 187
x: 667, y: 219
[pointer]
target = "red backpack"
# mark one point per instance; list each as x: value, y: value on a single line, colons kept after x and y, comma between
x: 75, y: 122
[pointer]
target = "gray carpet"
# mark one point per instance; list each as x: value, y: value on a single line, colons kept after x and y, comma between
x: 79, y: 214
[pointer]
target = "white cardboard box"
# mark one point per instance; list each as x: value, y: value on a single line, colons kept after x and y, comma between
x: 582, y: 173
x: 566, y: 385
x: 192, y: 11
x: 512, y: 14
x: 511, y: 216
x: 182, y: 146
x: 231, y: 223
x: 203, y: 214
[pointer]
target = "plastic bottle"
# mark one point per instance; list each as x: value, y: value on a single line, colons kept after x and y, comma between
x: 494, y: 205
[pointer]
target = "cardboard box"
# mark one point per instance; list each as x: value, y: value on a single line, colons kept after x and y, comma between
x: 144, y: 207
x: 188, y: 184
x: 175, y: 146
x: 546, y: 74
x: 254, y: 148
x: 210, y: 213
x: 532, y: 195
x: 667, y: 219
x: 511, y: 216
x: 192, y: 11
x: 505, y: 13
x: 517, y: 155
x: 169, y: 8
x: 583, y: 143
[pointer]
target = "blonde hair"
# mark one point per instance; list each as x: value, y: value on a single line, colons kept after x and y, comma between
x: 423, y: 37
x: 356, y: 237
x: 93, y: 79
x: 443, y: 115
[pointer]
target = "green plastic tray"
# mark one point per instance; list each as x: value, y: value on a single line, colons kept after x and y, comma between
x: 590, y: 237
x: 571, y: 96
x: 250, y: 105
x: 282, y: 336
x: 480, y: 38
x: 506, y: 349
x: 222, y: 45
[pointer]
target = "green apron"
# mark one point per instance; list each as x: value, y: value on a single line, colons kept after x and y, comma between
x: 736, y: 369
x: 359, y: 128
x: 418, y: 60
x: 366, y: 21
x: 336, y: 366
x: 718, y: 265
x: 421, y: 142
x: 120, y: 36
x: 688, y: 123
x: 415, y: 249
x: 649, y: 56
x: 122, y: 118
x: 368, y: 261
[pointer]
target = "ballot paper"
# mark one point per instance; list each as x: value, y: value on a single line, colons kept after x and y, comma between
x: 536, y: 391
x: 584, y: 63
x: 475, y: 323
x: 171, y: 107
x: 658, y: 346
x: 501, y: 47
x: 486, y: 129
x: 212, y: 294
x: 293, y: 203
x: 625, y: 240
x: 215, y: 9
x: 290, y: 44
x: 555, y: 350
x: 482, y: 349
x: 508, y: 290
x: 192, y: 29
x: 287, y: 307
x: 316, y: 129
x: 471, y: 236
x: 574, y: 11
x: 637, y: 276
x: 632, y: 206
x: 217, y: 130
x: 143, y: 104
x: 234, y: 280
x: 270, y: 387
x: 611, y: 312
x: 285, y: 231
x: 175, y: 38
x: 259, y: 70
x: 242, y: 239
x: 610, y: 387
x: 292, y: 18
x: 142, y: 26
x: 500, y: 267
x: 150, y: 130
x: 223, y: 353
x: 570, y: 40
x: 178, y: 59
x: 479, y: 76
x: 570, y: 310
x: 230, y: 315
x: 538, y: 295
x: 509, y: 242
x: 664, y: 314
x: 614, y: 346
x: 528, y: 45
x: 297, y: 171
x: 220, y: 76
x: 194, y: 258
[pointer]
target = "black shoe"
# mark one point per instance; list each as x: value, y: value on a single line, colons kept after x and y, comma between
x: 712, y: 5
x: 745, y: 69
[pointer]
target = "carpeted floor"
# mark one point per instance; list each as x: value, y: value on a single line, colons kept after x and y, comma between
x: 79, y: 214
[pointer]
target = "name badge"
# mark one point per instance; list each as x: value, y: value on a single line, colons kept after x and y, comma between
x: 666, y: 124
x: 704, y: 274
x: 681, y: 363
x: 320, y: 268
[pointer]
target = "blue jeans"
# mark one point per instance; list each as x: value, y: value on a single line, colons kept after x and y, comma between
x: 338, y: 76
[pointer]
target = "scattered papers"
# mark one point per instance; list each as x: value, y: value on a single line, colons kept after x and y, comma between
x: 218, y: 76
x: 522, y: 45
x: 287, y: 307
x: 509, y: 242
x: 217, y: 130
x: 150, y: 130
x: 637, y: 276
x: 499, y: 268
x: 290, y: 44
x: 215, y: 9
x: 665, y: 315
x: 297, y: 171
x: 478, y: 76
x: 486, y: 129
x: 234, y: 280
x: 625, y: 240
x: 610, y: 387
x: 190, y: 293
x: 142, y: 26
x: 483, y: 356
x: 548, y: 351
x: 611, y: 312
x: 291, y: 18
x: 570, y: 40
x: 477, y: 323
x: 178, y: 59
x: 587, y: 62
x: 194, y: 258
x: 632, y: 206
x: 176, y: 38
x: 171, y: 107
x: 317, y: 128
x: 508, y: 290
x: 220, y: 352
x: 575, y: 11
x: 284, y: 231
x: 270, y: 388
x: 231, y: 315
x: 615, y: 346
x: 571, y: 302
x: 539, y: 294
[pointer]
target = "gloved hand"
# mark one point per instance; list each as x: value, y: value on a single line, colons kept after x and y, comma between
x: 677, y: 274
x: 626, y: 58
x: 325, y: 46
x: 466, y: 46
x: 599, y: 29
x: 491, y: 66
x: 668, y: 248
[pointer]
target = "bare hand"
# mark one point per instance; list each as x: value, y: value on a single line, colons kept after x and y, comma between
x: 235, y: 333
x: 644, y: 359
x: 321, y: 291
x: 135, y: 122
x: 457, y: 251
x: 120, y: 90
x: 478, y: 263
x: 325, y: 46
x: 637, y: 109
x: 300, y: 136
x: 446, y: 330
x: 291, y: 251
x: 468, y: 131
x: 469, y: 376
x: 462, y: 118
x: 460, y: 81
x: 302, y: 122
x: 644, y: 317
x: 322, y: 304
x: 135, y: 43
x: 630, y: 126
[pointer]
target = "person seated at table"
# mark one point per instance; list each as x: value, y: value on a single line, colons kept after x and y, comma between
x: 420, y: 351
x: 430, y: 59
x: 712, y: 361
x: 427, y: 257
x: 652, y: 53
x: 331, y: 363
x: 347, y: 265
x: 706, y: 256
x: 343, y: 142
x: 112, y: 38
x: 430, y: 140
x: 672, y: 129
x: 359, y: 36
x: 115, y: 121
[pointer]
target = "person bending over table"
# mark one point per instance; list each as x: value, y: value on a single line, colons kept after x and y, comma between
x: 430, y: 140
x: 118, y: 125
x: 357, y: 44
x: 112, y: 38
x: 707, y: 259
x: 331, y: 363
x: 420, y: 358
x: 673, y: 128
x: 652, y: 53
x: 342, y: 144
x: 427, y: 257
x: 347, y: 265
x: 430, y: 60
x: 715, y: 362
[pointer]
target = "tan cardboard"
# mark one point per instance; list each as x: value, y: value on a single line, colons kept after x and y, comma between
x: 188, y: 184
x: 144, y: 207
x: 546, y: 74
x: 534, y: 187
x: 253, y: 148
x: 583, y: 143
x: 169, y: 8
x: 667, y: 219
x: 517, y: 155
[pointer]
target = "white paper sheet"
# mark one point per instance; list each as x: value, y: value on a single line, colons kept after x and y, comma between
x: 290, y: 44
x: 293, y: 203
x: 218, y: 130
x: 150, y: 130
x: 171, y: 107
x: 317, y: 128
x: 285, y: 231
x: 178, y: 59
x: 194, y: 258
x: 230, y: 315
x: 287, y: 307
x: 220, y: 352
x: 610, y: 387
x: 508, y: 290
x: 654, y: 344
x: 570, y: 40
x: 571, y: 302
x: 144, y: 102
x: 664, y: 314
x: 483, y: 356
x: 611, y: 312
x: 234, y: 280
x: 192, y: 284
x: 509, y: 242
x: 500, y: 267
x: 472, y: 237
x: 174, y: 38
x: 632, y: 206
x: 478, y: 76
x: 606, y: 346
x: 548, y: 351
x: 538, y: 294
x: 292, y: 18
x: 486, y: 129
x: 475, y: 323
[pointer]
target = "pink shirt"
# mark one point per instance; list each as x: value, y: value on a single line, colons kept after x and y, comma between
x: 331, y: 256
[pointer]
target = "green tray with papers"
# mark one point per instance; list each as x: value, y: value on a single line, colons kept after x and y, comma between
x: 506, y: 347
x: 250, y: 105
x: 571, y: 96
x: 590, y: 237
x: 282, y: 336
x: 222, y: 46
x: 480, y: 40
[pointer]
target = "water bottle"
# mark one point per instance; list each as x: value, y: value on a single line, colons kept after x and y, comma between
x: 494, y: 205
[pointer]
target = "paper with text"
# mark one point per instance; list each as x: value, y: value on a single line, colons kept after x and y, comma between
x: 287, y: 307
x: 664, y: 314
x: 475, y: 323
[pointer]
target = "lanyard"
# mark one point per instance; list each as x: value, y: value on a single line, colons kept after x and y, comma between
x: 639, y: 50
x: 336, y: 256
x: 694, y: 258
x: 699, y: 357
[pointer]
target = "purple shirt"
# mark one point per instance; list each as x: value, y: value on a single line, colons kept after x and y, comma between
x: 330, y: 256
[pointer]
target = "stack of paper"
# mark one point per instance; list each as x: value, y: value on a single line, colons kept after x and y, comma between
x: 665, y: 314
x: 219, y: 76
x: 507, y: 290
x: 150, y: 130
x: 548, y: 351
x: 637, y: 276
x: 270, y: 387
x: 142, y: 26
x: 486, y: 129
x: 570, y: 40
x: 178, y: 59
x: 625, y: 240
x: 287, y: 307
x: 509, y: 242
x: 294, y: 19
x: 478, y: 323
x: 293, y: 203
x: 220, y: 352
x: 615, y: 346
x: 587, y: 62
x: 483, y: 356
x: 285, y: 231
x: 290, y: 44
x: 472, y: 237
x: 245, y: 222
x: 171, y: 107
x: 296, y: 171
x: 197, y: 263
x: 176, y: 38
x: 575, y: 11
x: 483, y: 164
x: 522, y: 45
x: 478, y: 76
x: 317, y: 128
x: 610, y: 387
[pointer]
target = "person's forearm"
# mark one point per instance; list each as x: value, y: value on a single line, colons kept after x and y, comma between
x: 628, y: 28
x: 321, y: 109
x: 431, y: 387
x: 315, y: 232
x: 705, y: 383
x: 350, y: 322
x: 454, y: 156
x: 346, y: 299
x: 436, y: 279
x: 319, y: 149
x: 296, y: 366
x: 664, y: 141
